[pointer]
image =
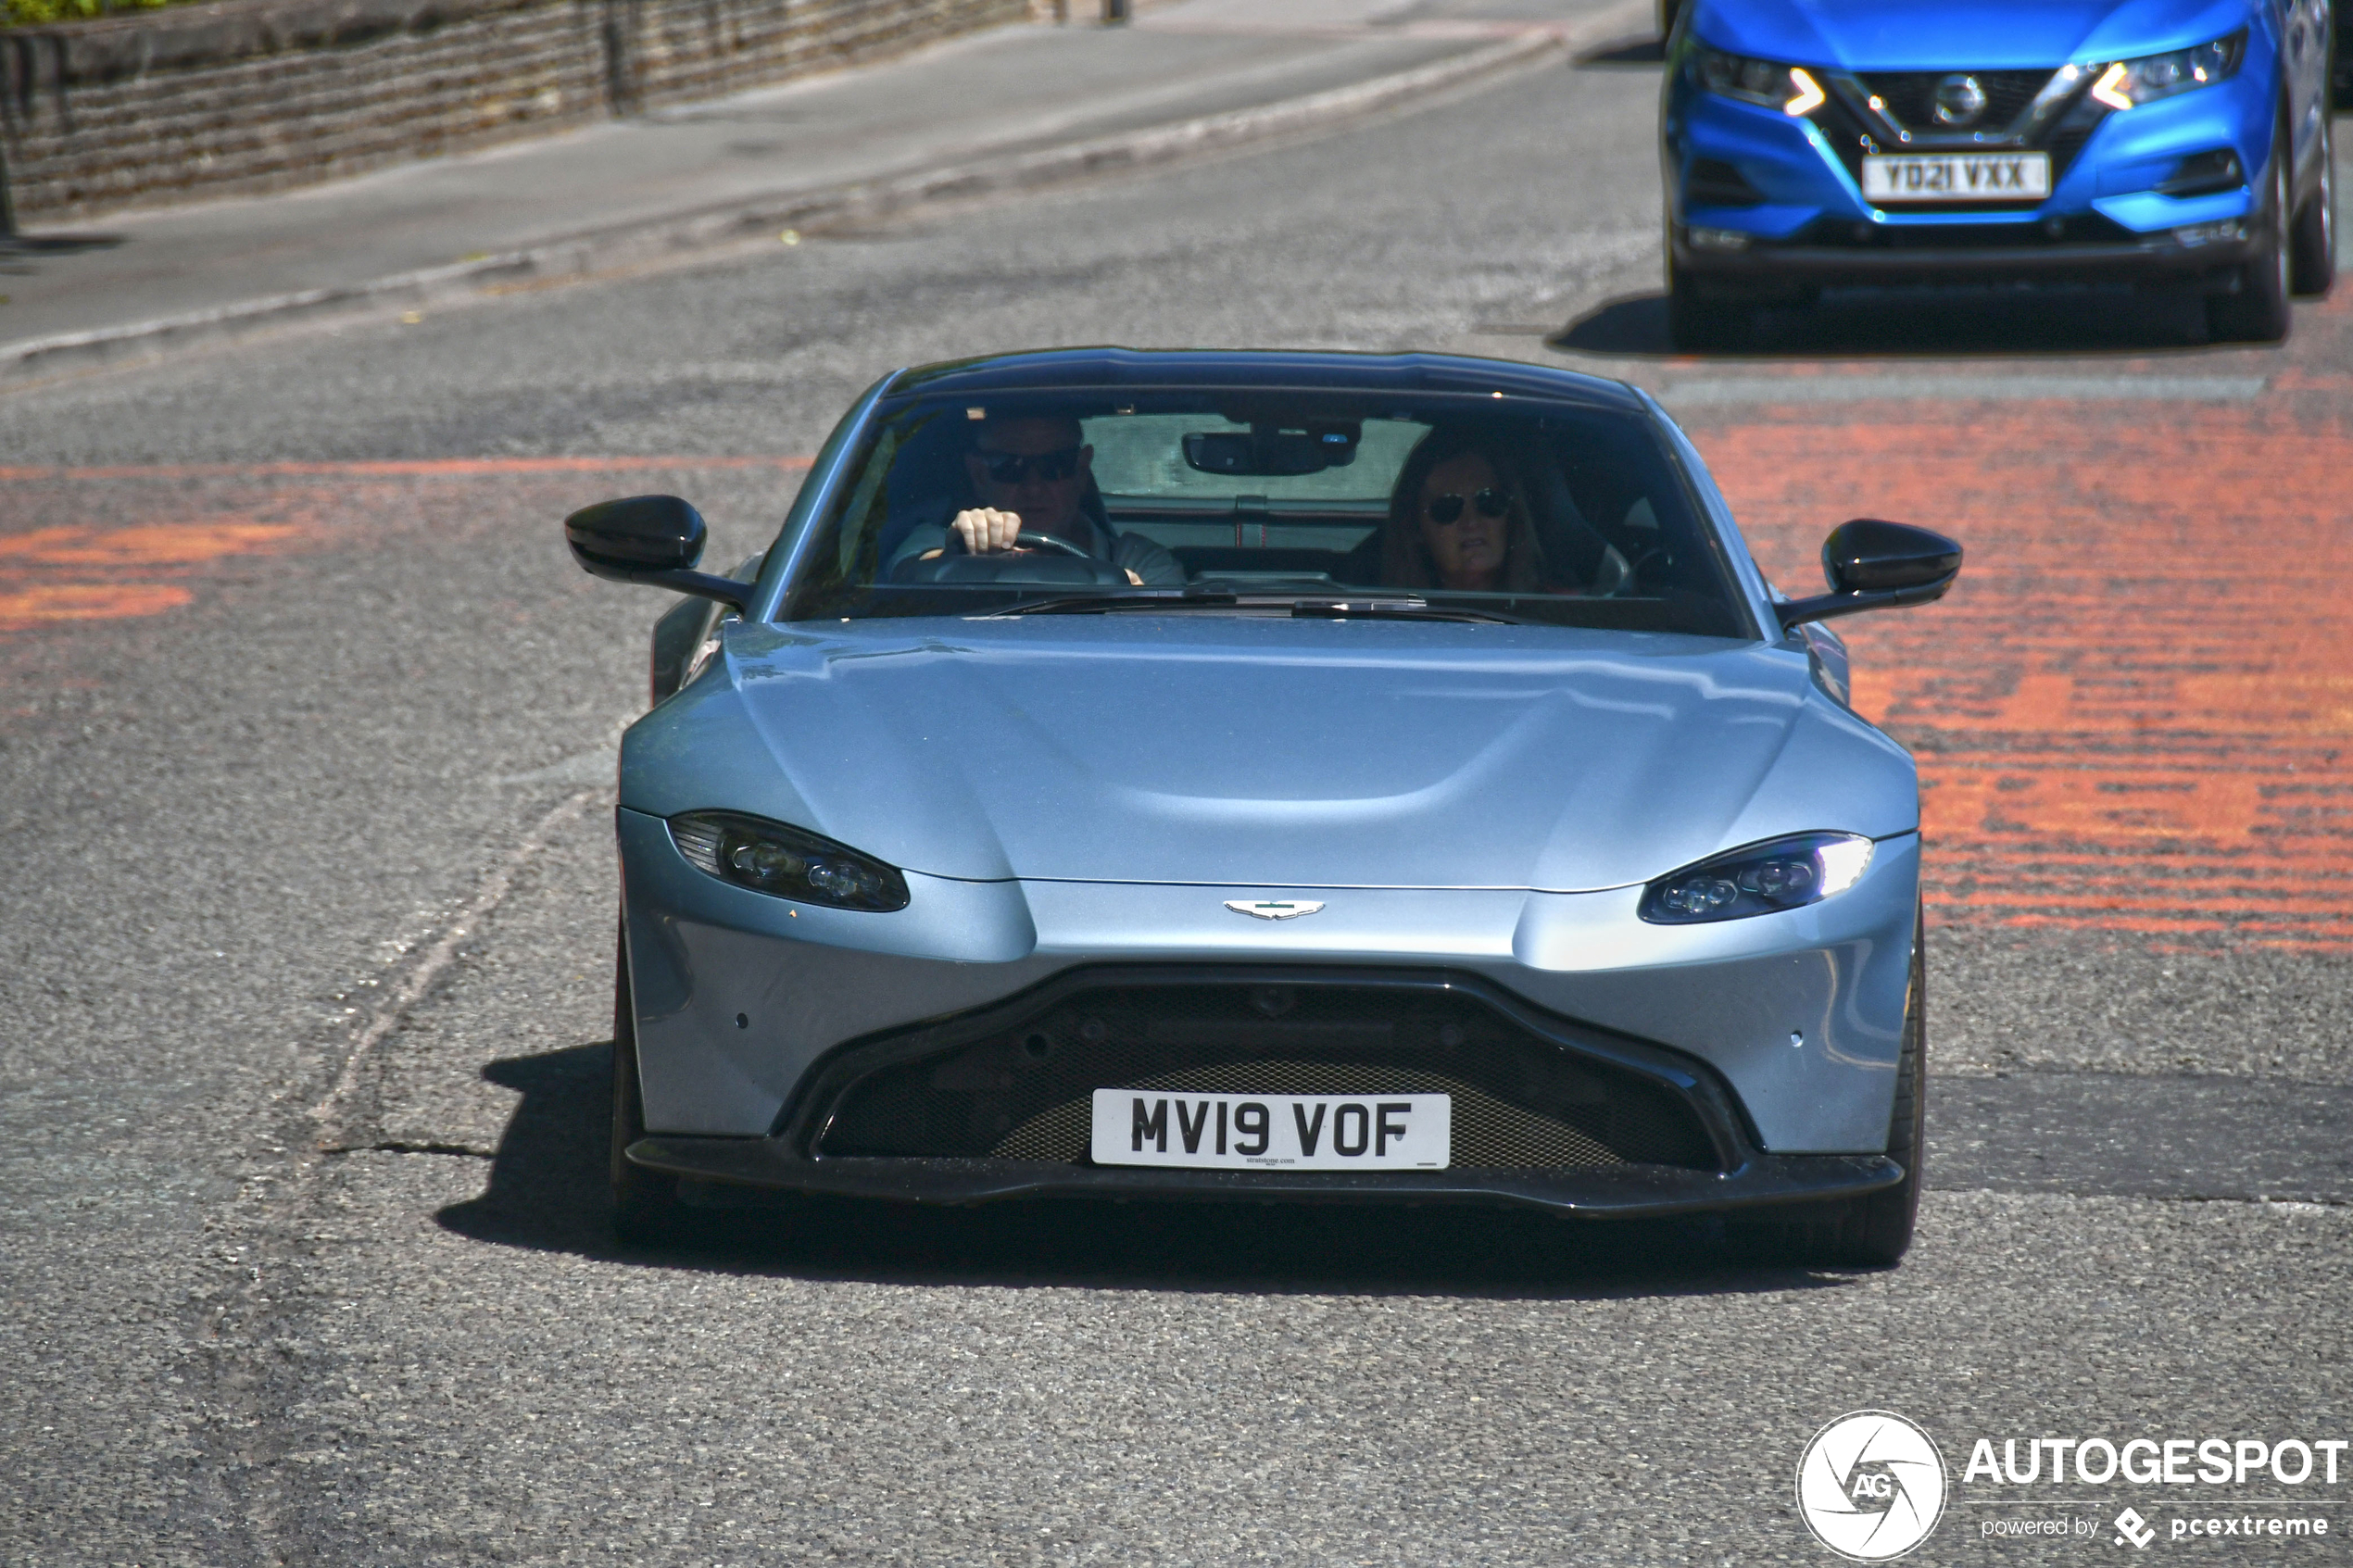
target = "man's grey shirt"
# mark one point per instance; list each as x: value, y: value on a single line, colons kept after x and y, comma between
x: 1133, y: 552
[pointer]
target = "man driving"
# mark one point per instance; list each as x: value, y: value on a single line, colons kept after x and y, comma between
x: 1034, y: 474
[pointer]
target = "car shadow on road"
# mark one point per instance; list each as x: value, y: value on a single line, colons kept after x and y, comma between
x: 547, y: 1191
x: 1624, y: 53
x: 19, y: 254
x: 1924, y: 322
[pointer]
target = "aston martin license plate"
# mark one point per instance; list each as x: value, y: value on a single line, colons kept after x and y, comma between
x: 1274, y: 1131
x: 1956, y: 177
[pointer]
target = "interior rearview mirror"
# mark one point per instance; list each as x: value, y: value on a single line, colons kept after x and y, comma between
x: 1875, y: 565
x: 652, y: 539
x: 1264, y: 450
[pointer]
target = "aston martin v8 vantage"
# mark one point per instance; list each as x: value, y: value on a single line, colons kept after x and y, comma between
x: 1291, y: 776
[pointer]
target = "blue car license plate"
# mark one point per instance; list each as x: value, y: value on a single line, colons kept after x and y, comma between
x: 1956, y: 177
x: 1273, y: 1132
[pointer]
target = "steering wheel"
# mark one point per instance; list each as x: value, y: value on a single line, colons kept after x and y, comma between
x: 1055, y: 561
x: 1027, y: 539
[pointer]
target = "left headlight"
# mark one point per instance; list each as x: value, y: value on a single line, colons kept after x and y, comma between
x: 1790, y: 89
x: 1786, y: 874
x: 2130, y: 82
x: 787, y: 861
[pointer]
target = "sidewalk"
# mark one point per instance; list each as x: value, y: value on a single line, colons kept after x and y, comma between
x: 1018, y: 107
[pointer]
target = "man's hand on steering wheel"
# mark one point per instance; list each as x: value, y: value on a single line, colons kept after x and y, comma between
x: 985, y: 530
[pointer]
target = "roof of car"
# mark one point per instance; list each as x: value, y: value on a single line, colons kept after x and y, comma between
x: 1289, y: 369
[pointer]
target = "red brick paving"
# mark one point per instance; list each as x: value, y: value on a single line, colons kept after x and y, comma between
x: 2132, y: 715
x: 97, y: 543
x: 2133, y: 712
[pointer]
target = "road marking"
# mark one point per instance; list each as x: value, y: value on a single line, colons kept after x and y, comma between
x: 54, y: 573
x: 587, y: 768
x: 44, y: 571
x: 45, y: 604
x: 330, y: 1113
x: 163, y: 543
x: 594, y: 766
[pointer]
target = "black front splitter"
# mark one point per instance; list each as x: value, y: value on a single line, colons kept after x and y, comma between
x: 1617, y: 1192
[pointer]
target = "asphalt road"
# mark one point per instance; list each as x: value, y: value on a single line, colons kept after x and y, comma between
x: 307, y: 891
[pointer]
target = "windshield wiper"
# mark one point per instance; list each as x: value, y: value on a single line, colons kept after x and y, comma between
x: 1393, y: 609
x: 1127, y: 599
x: 1164, y: 599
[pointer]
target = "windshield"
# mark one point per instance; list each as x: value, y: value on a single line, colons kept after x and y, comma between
x: 1331, y: 503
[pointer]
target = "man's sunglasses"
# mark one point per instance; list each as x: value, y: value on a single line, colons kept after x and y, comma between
x: 1445, y: 511
x: 1012, y: 468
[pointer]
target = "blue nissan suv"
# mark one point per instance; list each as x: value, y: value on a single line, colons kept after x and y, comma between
x: 1808, y: 144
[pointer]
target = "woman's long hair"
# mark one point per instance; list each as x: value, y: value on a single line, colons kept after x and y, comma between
x: 1405, y: 559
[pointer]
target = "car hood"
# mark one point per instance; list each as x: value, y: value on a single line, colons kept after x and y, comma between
x: 1269, y: 752
x: 1961, y: 34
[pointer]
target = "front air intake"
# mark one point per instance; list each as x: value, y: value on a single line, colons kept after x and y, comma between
x: 1022, y: 1091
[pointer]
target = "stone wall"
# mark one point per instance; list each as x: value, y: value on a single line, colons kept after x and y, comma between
x: 236, y: 96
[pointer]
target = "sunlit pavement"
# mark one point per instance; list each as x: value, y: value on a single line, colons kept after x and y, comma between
x: 310, y: 893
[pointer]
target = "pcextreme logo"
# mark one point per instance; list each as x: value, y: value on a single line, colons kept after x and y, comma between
x: 1871, y: 1485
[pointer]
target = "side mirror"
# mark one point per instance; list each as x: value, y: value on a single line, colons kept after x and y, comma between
x: 1875, y: 565
x: 651, y: 539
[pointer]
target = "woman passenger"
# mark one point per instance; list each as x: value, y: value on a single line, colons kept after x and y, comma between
x: 1458, y: 517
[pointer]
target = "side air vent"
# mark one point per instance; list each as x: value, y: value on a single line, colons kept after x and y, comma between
x: 1714, y: 183
x: 2206, y: 173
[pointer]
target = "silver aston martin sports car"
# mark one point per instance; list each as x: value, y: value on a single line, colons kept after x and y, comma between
x: 1266, y: 775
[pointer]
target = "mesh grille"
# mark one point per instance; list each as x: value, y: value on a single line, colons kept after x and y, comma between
x: 2068, y: 140
x: 1911, y: 97
x: 2076, y: 229
x: 1025, y: 1092
x: 2062, y: 135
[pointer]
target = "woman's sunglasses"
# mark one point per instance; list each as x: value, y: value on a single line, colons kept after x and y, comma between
x: 1445, y: 511
x: 1012, y: 468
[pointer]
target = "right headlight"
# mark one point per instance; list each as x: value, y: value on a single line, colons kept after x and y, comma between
x: 2130, y: 83
x: 1785, y: 874
x: 786, y: 863
x: 1790, y: 89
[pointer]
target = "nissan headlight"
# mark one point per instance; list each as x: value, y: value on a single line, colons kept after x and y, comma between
x: 1786, y: 874
x: 1790, y: 89
x: 2130, y: 82
x: 786, y: 863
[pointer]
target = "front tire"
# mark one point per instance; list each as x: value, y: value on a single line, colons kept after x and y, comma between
x: 2312, y: 238
x: 2257, y: 311
x: 644, y: 1203
x: 1699, y: 323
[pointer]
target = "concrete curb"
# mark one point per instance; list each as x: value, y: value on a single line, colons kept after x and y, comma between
x: 604, y: 250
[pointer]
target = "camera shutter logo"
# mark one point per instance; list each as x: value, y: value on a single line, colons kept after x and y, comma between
x: 1871, y: 1485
